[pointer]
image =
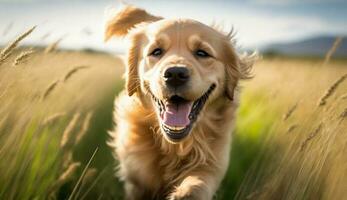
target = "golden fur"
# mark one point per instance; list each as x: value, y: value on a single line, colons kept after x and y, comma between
x: 151, y: 165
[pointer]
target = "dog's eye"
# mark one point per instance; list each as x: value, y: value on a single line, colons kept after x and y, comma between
x: 202, y: 54
x: 156, y: 52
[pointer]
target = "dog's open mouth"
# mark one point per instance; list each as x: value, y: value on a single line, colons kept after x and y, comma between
x: 177, y: 115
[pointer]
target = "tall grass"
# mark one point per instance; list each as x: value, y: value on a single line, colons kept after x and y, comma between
x: 307, y: 162
x: 55, y: 110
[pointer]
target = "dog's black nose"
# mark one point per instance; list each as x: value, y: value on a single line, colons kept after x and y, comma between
x: 176, y: 76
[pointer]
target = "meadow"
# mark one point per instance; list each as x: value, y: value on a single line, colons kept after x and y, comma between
x: 290, y: 140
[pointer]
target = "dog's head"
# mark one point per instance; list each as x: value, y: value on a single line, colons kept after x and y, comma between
x: 182, y: 65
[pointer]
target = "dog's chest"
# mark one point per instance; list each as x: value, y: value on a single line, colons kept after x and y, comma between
x: 157, y: 170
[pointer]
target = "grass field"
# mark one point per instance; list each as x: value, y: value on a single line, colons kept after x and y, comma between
x: 290, y: 140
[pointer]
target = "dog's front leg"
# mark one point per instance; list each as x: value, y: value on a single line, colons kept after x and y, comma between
x: 198, y: 186
x: 134, y: 192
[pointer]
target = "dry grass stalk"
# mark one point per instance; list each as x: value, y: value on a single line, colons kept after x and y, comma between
x: 7, y: 51
x: 82, y: 175
x: 311, y: 136
x: 68, y: 138
x: 344, y: 96
x: 92, y: 184
x: 22, y: 57
x: 7, y: 29
x: 69, y: 172
x: 332, y: 50
x: 53, y: 85
x: 343, y: 114
x: 53, y: 118
x: 45, y: 36
x: 101, y: 196
x: 67, y: 159
x: 66, y: 176
x: 331, y: 90
x: 85, y: 127
x: 49, y: 89
x: 87, y: 179
x: 90, y: 174
x: 290, y: 111
x: 73, y: 71
x: 52, y: 47
x: 292, y: 128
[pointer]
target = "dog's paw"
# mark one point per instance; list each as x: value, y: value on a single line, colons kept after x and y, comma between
x: 189, y: 189
x: 180, y: 195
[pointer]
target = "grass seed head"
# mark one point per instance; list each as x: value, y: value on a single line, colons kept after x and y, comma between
x: 73, y: 71
x: 49, y: 89
x: 23, y: 57
x: 343, y: 114
x: 85, y: 127
x: 68, y: 138
x: 65, y: 177
x: 311, y: 136
x: 290, y: 111
x: 332, y: 50
x: 7, y: 51
x: 331, y: 90
x: 52, y: 47
x: 53, y: 118
x: 292, y: 128
x: 69, y: 172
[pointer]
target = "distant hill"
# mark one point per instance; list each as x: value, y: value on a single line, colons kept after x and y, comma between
x: 315, y: 46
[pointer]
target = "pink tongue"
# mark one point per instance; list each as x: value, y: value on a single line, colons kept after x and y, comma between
x: 177, y: 115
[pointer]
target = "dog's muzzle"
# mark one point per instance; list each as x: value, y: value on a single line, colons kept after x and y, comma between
x: 177, y: 115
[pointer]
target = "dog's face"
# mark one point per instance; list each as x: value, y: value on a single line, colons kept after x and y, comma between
x: 181, y: 69
x: 182, y: 65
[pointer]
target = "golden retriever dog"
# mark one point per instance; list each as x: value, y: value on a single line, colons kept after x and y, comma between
x: 174, y: 120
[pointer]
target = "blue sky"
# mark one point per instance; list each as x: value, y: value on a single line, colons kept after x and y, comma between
x: 257, y: 22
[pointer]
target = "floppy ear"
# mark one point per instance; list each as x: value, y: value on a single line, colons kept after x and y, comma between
x: 236, y: 67
x: 126, y: 19
x: 120, y: 25
x: 132, y: 80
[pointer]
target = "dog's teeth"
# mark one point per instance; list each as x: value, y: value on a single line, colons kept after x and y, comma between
x: 179, y: 128
x: 175, y: 128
